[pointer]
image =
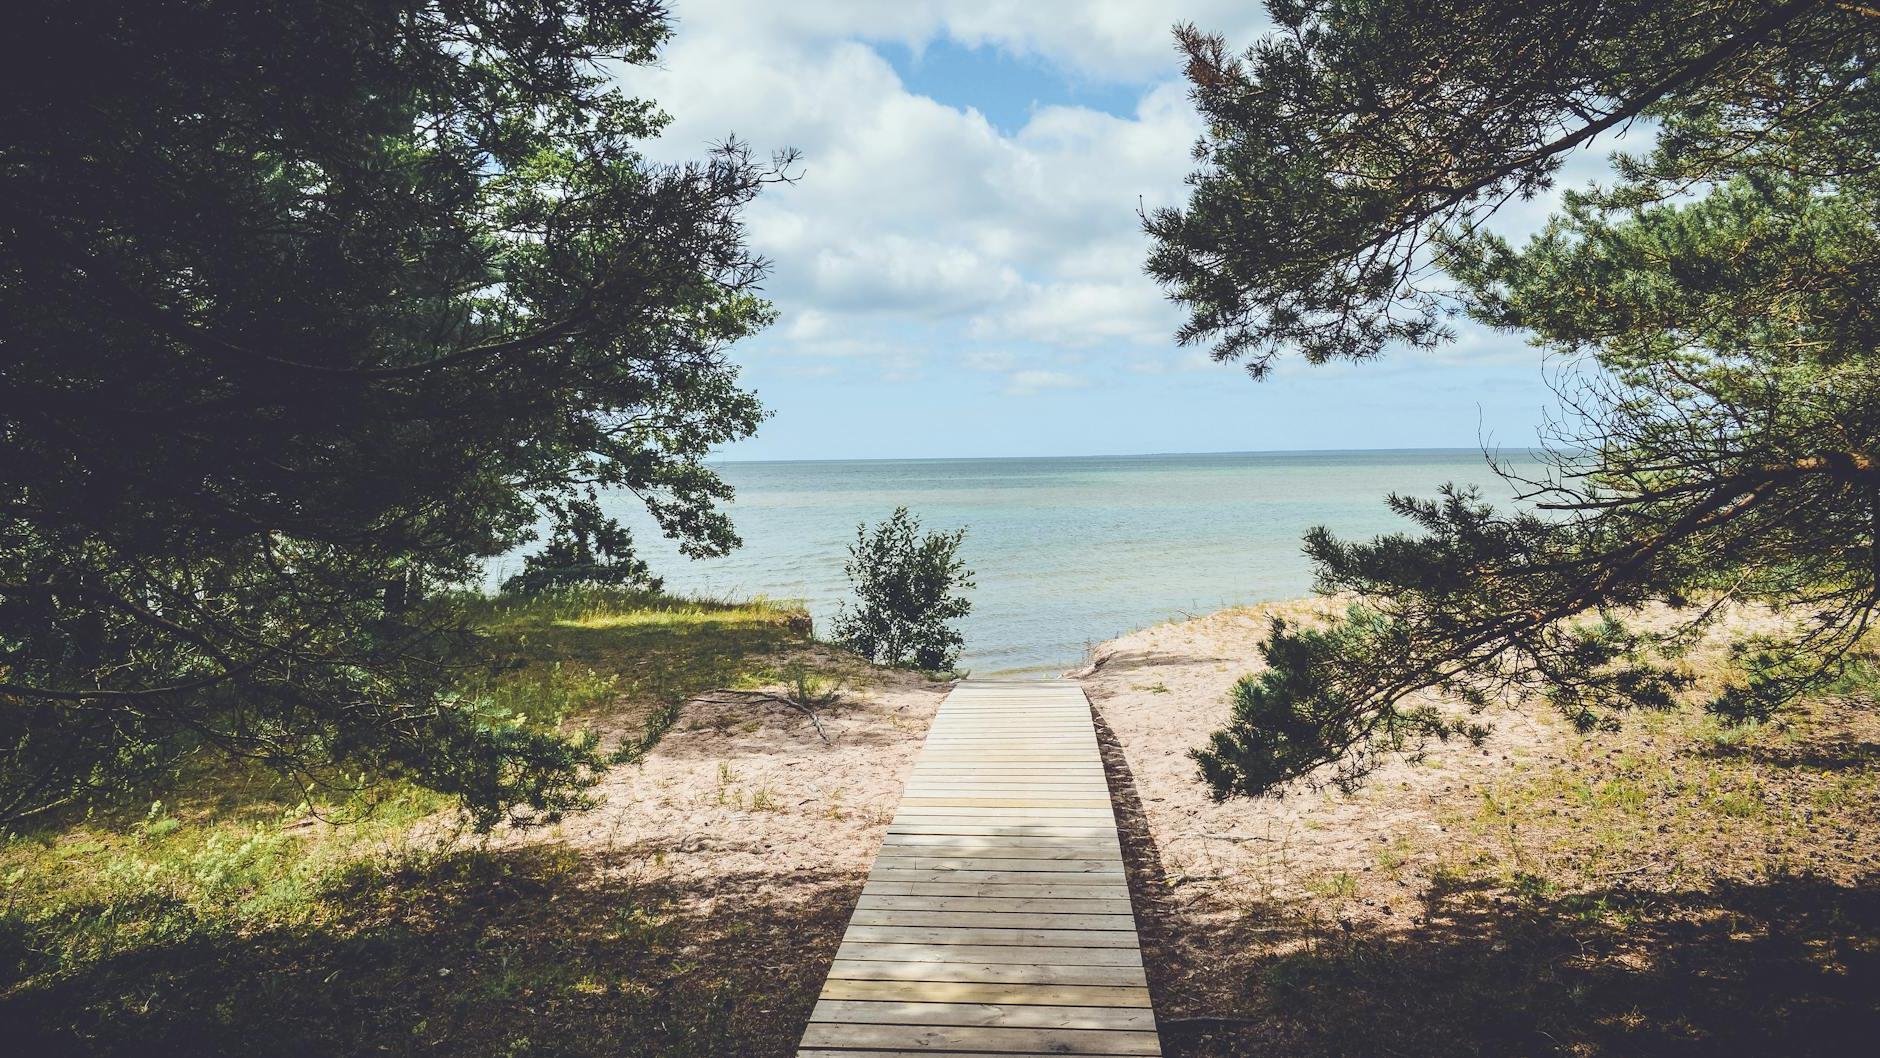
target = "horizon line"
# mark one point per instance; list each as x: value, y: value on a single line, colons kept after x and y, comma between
x: 1126, y: 455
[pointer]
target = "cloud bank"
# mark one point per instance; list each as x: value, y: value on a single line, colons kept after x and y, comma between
x: 920, y: 236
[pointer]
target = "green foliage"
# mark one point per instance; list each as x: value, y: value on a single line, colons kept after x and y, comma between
x: 1712, y: 310
x: 317, y: 922
x: 585, y: 548
x: 1298, y: 713
x: 307, y: 309
x: 908, y: 591
x: 574, y: 653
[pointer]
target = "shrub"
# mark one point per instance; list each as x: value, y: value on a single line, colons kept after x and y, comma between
x: 585, y: 548
x: 908, y: 590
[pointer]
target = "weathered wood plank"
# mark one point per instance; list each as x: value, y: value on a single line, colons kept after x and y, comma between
x: 1003, y: 784
x: 1116, y: 905
x: 1073, y: 817
x: 1005, y: 852
x: 997, y: 830
x: 974, y: 992
x: 1086, y: 888
x: 892, y: 874
x: 867, y: 916
x: 1036, y: 820
x: 989, y: 1015
x: 924, y: 1038
x: 973, y: 935
x: 968, y: 801
x: 986, y: 973
x: 1028, y: 955
x: 903, y: 860
x: 1004, y: 841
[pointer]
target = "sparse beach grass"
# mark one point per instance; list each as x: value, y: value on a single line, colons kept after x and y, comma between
x: 239, y: 913
x: 1678, y: 886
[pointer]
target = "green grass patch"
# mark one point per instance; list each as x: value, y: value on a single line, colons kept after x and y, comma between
x: 237, y: 910
x: 575, y: 653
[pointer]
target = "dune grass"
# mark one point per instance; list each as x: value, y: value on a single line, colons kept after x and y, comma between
x: 1679, y: 887
x: 236, y: 911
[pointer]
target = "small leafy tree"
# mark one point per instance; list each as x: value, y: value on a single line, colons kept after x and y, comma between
x: 908, y: 589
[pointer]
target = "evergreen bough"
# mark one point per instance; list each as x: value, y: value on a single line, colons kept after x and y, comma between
x: 307, y: 308
x: 1713, y: 314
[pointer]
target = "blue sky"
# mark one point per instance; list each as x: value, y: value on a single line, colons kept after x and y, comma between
x: 958, y: 271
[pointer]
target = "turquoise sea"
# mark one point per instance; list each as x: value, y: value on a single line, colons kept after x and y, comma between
x: 1068, y: 552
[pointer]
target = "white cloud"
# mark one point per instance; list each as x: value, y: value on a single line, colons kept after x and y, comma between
x: 922, y: 236
x: 1110, y: 40
x: 919, y: 226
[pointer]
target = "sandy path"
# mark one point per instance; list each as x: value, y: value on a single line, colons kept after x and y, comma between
x: 749, y: 791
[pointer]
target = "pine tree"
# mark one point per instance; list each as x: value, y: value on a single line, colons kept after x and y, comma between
x: 1715, y: 303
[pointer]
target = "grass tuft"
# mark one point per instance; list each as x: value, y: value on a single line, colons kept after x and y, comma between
x: 238, y: 912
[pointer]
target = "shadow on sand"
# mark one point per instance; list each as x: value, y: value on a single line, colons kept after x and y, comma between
x: 535, y: 951
x: 1788, y: 966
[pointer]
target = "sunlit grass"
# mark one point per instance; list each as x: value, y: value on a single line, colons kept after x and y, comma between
x: 194, y: 865
x: 667, y: 616
x: 152, y: 887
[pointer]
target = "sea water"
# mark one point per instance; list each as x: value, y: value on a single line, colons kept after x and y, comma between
x: 1066, y: 552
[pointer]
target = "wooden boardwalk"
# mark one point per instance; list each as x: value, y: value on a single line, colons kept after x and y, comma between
x: 996, y: 920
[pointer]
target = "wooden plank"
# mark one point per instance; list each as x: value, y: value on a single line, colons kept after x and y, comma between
x: 1017, y: 815
x: 1021, y: 820
x: 1010, y: 770
x: 868, y: 916
x: 1021, y: 774
x: 1087, y: 887
x: 1009, y: 787
x: 1060, y: 817
x: 891, y: 874
x: 997, y: 830
x: 981, y: 781
x: 1071, y: 733
x: 1087, y: 844
x: 977, y: 850
x: 1016, y: 756
x: 1010, y: 743
x: 1029, y: 938
x: 1069, y: 730
x: 1028, y: 955
x: 984, y: 779
x: 874, y: 1052
x: 1116, y: 905
x: 974, y: 992
x: 902, y: 860
x: 923, y: 1039
x: 968, y: 801
x: 981, y: 775
x: 1100, y: 839
x: 1062, y: 853
x: 986, y: 973
x: 991, y: 1015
